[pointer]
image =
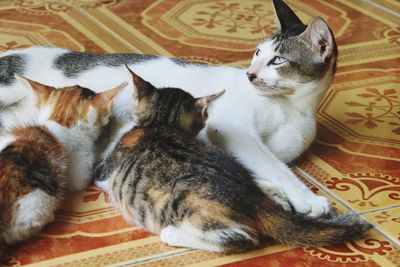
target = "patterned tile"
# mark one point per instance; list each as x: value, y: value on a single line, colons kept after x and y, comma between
x: 361, y: 191
x: 388, y: 222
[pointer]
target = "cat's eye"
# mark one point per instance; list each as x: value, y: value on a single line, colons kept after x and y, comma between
x: 277, y: 60
x: 257, y: 52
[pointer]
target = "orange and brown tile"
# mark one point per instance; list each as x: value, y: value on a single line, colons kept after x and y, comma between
x: 354, y: 161
x: 388, y: 222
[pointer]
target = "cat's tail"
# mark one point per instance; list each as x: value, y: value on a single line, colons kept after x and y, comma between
x: 300, y: 230
x: 3, y: 247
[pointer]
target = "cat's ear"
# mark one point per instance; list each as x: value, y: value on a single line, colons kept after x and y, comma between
x: 141, y: 87
x: 321, y: 38
x: 106, y: 98
x: 38, y: 90
x: 202, y: 103
x: 287, y: 18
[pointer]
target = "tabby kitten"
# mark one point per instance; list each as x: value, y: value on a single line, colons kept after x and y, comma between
x: 35, y: 159
x: 195, y: 195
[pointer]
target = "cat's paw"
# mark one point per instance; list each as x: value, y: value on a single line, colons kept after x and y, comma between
x: 312, y: 205
x: 278, y: 196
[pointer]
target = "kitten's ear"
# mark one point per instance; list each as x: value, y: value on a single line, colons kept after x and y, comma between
x: 202, y: 103
x: 285, y: 15
x: 321, y: 38
x: 38, y: 90
x: 106, y: 98
x: 141, y: 87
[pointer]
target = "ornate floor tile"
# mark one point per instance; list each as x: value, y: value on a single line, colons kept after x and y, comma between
x: 359, y: 191
x: 17, y: 35
x: 388, y: 222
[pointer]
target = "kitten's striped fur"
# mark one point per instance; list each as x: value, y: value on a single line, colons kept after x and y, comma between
x: 196, y: 195
x: 34, y: 159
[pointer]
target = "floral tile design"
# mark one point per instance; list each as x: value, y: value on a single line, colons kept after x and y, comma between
x: 388, y: 222
x: 354, y: 161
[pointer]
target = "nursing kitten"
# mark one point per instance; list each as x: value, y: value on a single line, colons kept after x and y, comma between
x: 35, y: 159
x: 195, y: 195
x: 266, y: 118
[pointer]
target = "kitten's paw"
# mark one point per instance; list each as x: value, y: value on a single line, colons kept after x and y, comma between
x: 311, y: 205
x: 278, y: 196
x: 168, y: 235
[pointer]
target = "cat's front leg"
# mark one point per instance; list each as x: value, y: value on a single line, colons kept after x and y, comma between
x: 268, y: 169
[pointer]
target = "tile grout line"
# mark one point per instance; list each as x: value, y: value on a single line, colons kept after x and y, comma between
x: 382, y: 8
x: 173, y: 253
x: 379, y: 209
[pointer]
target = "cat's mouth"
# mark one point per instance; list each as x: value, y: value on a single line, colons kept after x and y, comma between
x: 264, y: 88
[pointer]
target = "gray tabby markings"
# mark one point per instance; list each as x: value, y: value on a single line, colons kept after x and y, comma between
x: 299, y: 54
x: 183, y: 62
x: 9, y: 65
x: 74, y: 63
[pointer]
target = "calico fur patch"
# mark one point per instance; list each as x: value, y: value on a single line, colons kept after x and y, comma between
x: 33, y: 160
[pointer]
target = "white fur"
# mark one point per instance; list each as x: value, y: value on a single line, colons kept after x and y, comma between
x: 261, y: 130
x: 5, y: 140
x: 186, y: 235
x: 33, y: 211
x: 78, y: 143
x: 23, y: 114
x: 175, y: 236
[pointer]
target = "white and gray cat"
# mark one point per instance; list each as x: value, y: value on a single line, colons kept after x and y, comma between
x: 266, y: 117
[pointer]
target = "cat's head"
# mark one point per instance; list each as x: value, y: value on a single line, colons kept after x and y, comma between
x: 73, y: 106
x: 296, y: 60
x: 170, y: 107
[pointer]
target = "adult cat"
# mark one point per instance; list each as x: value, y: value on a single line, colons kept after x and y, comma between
x: 265, y: 118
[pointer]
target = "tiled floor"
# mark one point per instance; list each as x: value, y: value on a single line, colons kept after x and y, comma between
x: 354, y: 161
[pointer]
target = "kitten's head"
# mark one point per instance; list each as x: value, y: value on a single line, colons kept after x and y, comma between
x: 296, y: 60
x: 170, y: 107
x: 72, y: 106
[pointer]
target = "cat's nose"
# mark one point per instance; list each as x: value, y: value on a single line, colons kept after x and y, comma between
x: 251, y: 76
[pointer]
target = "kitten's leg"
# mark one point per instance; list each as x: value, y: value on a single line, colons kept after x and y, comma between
x: 218, y: 240
x: 268, y: 169
x: 34, y: 211
x: 177, y: 237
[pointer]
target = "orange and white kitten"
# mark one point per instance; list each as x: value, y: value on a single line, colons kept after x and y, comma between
x: 37, y: 160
